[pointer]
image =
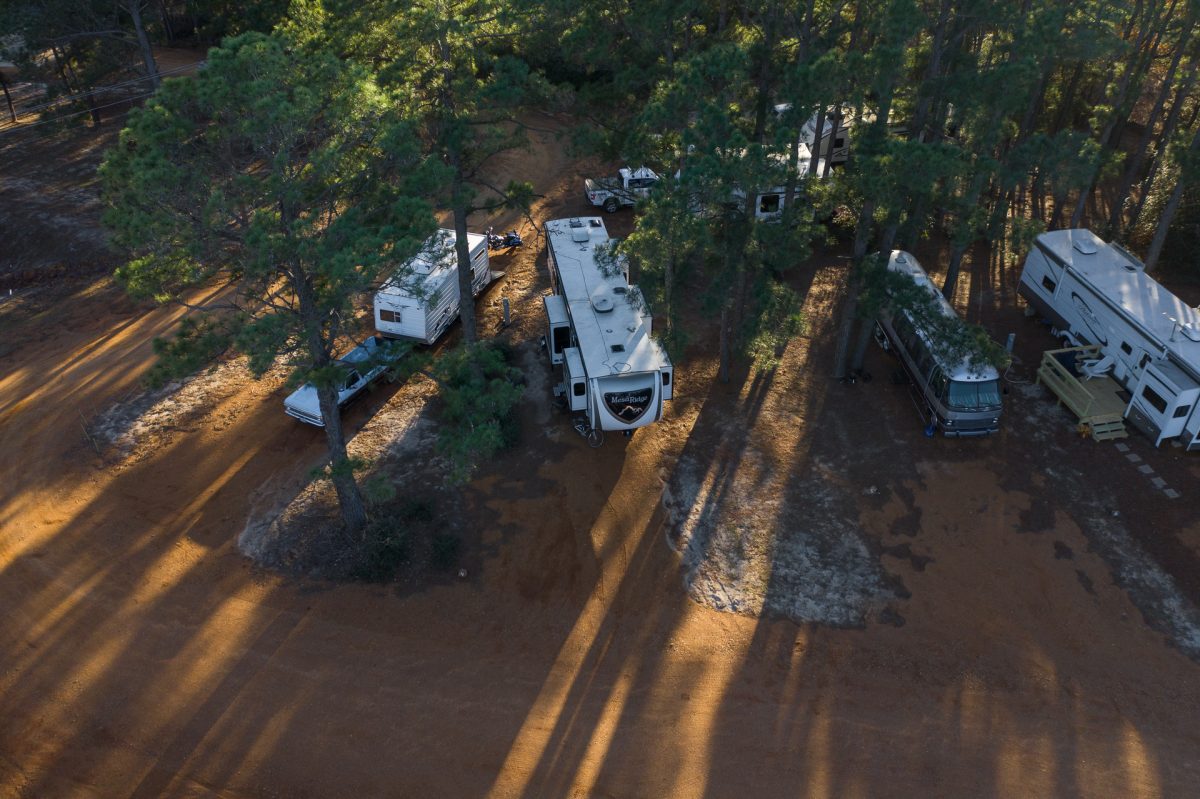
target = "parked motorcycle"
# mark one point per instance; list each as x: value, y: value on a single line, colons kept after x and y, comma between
x: 508, y: 241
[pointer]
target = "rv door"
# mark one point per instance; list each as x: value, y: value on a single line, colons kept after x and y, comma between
x: 558, y: 327
x: 575, y: 379
x: 1164, y: 398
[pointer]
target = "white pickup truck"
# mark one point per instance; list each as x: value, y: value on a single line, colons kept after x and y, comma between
x: 361, y: 366
x: 625, y: 188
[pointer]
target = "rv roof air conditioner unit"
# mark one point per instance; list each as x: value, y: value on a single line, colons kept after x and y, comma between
x: 579, y: 234
x: 602, y: 304
x: 1085, y: 246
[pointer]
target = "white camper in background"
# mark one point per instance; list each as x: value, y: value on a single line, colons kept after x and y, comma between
x: 422, y: 298
x: 834, y: 142
x: 614, y: 375
x: 768, y: 203
x: 1098, y: 293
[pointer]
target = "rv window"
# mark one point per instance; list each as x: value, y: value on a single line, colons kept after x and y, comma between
x: 1182, y: 411
x: 937, y: 384
x: 1049, y: 284
x: 1154, y: 399
x: 562, y: 338
x: 666, y: 378
x: 974, y: 395
x: 578, y: 389
x: 768, y: 204
x: 1125, y: 348
x: 388, y: 316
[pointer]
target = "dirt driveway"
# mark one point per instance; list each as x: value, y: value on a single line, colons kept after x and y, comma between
x: 1010, y: 655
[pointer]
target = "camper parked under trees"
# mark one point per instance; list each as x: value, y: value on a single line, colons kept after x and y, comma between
x: 956, y: 394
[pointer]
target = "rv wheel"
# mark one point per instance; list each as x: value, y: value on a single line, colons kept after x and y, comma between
x: 610, y: 205
x: 595, y: 438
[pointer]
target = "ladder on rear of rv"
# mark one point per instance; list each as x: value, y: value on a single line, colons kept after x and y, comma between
x: 1095, y: 401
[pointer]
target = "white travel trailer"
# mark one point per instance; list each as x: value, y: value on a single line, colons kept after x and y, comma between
x: 1098, y: 293
x: 421, y: 299
x: 615, y: 376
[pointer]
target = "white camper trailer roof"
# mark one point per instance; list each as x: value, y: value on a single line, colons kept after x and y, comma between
x: 611, y: 322
x: 1122, y: 282
x: 428, y: 269
x: 906, y: 263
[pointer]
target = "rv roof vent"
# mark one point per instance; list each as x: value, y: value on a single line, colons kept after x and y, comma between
x: 617, y: 348
x: 575, y: 223
x: 619, y: 289
x: 900, y: 259
x: 579, y: 233
x: 594, y: 222
x: 1190, y: 330
x: 1085, y: 246
x: 602, y: 304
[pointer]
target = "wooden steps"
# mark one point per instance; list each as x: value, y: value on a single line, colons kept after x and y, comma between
x: 1095, y: 401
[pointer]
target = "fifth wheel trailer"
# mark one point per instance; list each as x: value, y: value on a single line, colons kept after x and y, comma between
x: 1098, y: 293
x: 614, y: 374
x: 422, y: 298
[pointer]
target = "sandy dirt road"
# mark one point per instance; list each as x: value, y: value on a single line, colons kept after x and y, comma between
x: 142, y: 656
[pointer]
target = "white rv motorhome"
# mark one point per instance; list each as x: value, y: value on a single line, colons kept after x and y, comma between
x: 614, y: 374
x: 1098, y: 293
x: 956, y: 396
x: 421, y: 299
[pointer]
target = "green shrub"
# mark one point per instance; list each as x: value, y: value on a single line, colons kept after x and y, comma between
x: 385, y: 549
x: 446, y: 547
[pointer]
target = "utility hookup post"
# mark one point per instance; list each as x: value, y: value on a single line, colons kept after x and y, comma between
x: 504, y: 306
x: 1008, y: 345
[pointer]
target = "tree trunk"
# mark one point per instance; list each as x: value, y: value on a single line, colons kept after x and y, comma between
x: 724, y: 347
x: 354, y: 510
x: 865, y: 328
x: 1168, y: 214
x: 1138, y: 157
x: 66, y: 74
x: 1182, y: 92
x: 1119, y: 113
x: 350, y: 501
x: 466, y: 271
x: 135, y: 11
x: 8, y: 98
x: 850, y: 311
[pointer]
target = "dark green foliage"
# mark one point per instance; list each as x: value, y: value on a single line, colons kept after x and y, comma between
x: 953, y: 339
x: 288, y: 173
x: 444, y: 551
x: 479, y: 391
x: 386, y: 547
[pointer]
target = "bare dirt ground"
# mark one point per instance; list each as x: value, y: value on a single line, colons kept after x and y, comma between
x: 1017, y: 623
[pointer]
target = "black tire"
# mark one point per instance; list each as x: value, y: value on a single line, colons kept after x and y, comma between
x: 611, y: 205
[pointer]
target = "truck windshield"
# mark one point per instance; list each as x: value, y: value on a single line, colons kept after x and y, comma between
x: 973, y: 396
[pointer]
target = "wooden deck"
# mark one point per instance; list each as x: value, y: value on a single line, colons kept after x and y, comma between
x: 1095, y: 401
